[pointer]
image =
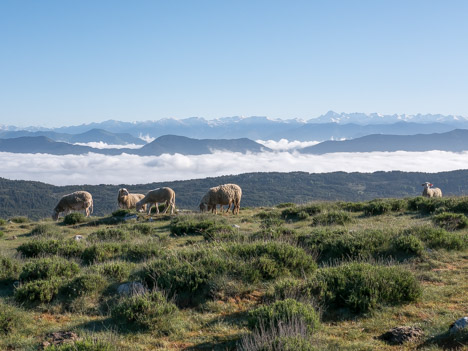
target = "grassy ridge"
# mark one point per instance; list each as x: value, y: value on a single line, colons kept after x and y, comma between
x: 316, y: 276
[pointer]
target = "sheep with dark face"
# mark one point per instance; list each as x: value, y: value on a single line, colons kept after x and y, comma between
x: 226, y: 194
x: 77, y: 201
x: 428, y: 191
x: 165, y: 195
x: 127, y: 200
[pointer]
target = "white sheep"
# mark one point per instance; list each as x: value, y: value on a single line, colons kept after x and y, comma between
x: 129, y: 201
x: 165, y: 194
x: 77, y: 201
x: 226, y: 194
x: 431, y: 192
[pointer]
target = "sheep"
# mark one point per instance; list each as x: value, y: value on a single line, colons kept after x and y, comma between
x: 127, y: 200
x: 431, y: 192
x: 79, y: 200
x: 164, y: 194
x: 226, y: 194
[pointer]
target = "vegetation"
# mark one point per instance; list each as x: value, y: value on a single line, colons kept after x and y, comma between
x: 308, y: 276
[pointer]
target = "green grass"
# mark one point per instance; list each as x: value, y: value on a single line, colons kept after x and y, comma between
x: 319, y: 276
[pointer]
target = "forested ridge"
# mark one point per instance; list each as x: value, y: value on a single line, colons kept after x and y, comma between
x: 36, y: 199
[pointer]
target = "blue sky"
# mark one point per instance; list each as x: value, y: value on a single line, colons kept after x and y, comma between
x: 73, y: 62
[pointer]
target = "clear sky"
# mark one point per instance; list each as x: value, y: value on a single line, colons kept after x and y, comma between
x: 69, y: 62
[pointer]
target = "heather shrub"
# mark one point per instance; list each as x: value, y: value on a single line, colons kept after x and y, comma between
x: 149, y: 311
x: 10, y: 319
x: 451, y: 221
x: 38, y: 290
x: 377, y: 207
x: 45, y: 268
x: 143, y: 228
x: 438, y: 238
x: 109, y: 234
x: 82, y: 345
x: 332, y: 218
x: 9, y: 269
x: 285, y: 204
x: 100, y: 252
x: 2, y: 221
x: 352, y: 206
x: 74, y: 218
x: 19, y: 219
x: 2, y: 234
x: 44, y: 229
x: 86, y: 284
x: 116, y: 270
x: 362, y: 286
x: 300, y: 212
x: 121, y: 212
x: 141, y: 251
x: 408, y: 244
x: 282, y: 311
x: 39, y: 247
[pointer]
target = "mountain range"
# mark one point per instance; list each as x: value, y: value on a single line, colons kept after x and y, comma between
x: 329, y: 126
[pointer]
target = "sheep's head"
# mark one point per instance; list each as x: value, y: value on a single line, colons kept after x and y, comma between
x: 138, y: 206
x: 123, y: 192
x: 427, y: 184
x: 203, y: 207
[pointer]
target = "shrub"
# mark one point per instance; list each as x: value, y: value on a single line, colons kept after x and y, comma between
x: 377, y: 207
x: 19, y: 219
x: 10, y: 319
x: 285, y: 204
x: 342, y: 244
x: 2, y: 221
x: 190, y: 225
x: 2, y: 234
x: 119, y: 271
x: 37, y: 291
x: 109, y: 234
x: 86, y: 284
x: 45, y: 268
x: 141, y: 252
x: 408, y: 244
x: 301, y: 212
x: 352, y: 206
x: 38, y: 247
x: 331, y: 218
x: 74, y: 218
x: 438, y: 238
x: 143, y: 228
x: 362, y: 286
x: 121, y: 213
x: 9, y: 269
x: 282, y: 311
x: 451, y: 221
x: 82, y: 345
x: 147, y: 311
x: 44, y: 230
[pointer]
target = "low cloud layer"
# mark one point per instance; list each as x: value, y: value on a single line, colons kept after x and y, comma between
x: 286, y: 145
x: 131, y: 169
x: 102, y: 145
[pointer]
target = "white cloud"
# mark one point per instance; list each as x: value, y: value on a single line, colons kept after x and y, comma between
x: 131, y: 169
x: 286, y: 145
x: 103, y: 145
x: 146, y: 138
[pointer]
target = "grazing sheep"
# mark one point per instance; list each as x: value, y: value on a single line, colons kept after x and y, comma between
x: 127, y: 200
x: 431, y: 192
x: 77, y: 201
x: 226, y: 194
x: 166, y: 195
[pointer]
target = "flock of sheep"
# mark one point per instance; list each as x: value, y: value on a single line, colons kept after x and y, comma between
x: 226, y: 194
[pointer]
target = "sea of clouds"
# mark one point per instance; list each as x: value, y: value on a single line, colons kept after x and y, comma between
x: 131, y: 169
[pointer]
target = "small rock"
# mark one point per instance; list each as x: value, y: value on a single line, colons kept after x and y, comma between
x: 131, y: 289
x: 236, y: 226
x: 458, y: 325
x: 400, y: 335
x: 129, y: 217
x: 59, y: 338
x: 78, y: 237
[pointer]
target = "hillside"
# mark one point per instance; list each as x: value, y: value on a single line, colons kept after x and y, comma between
x: 36, y: 200
x: 321, y: 276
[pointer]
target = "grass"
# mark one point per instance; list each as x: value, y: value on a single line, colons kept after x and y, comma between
x: 320, y: 276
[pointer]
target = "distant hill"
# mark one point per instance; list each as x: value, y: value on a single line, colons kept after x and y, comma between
x: 456, y: 141
x: 166, y: 144
x: 92, y: 135
x: 36, y: 200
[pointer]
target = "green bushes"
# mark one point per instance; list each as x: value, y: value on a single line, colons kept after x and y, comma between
x: 377, y: 207
x: 82, y: 345
x: 9, y: 269
x: 408, y: 244
x: 19, y: 219
x: 101, y: 252
x: 451, y: 221
x: 86, y: 284
x: 74, y: 218
x: 10, y: 319
x: 49, y: 267
x: 362, y: 286
x: 109, y: 234
x: 2, y: 234
x: 2, y: 221
x: 38, y: 247
x: 332, y: 218
x: 149, y: 311
x: 44, y: 230
x: 119, y: 271
x: 284, y: 310
x: 37, y: 291
x: 300, y: 212
x: 438, y: 238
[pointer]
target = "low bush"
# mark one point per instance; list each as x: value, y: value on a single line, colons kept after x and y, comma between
x: 121, y: 213
x: 119, y: 271
x: 2, y: 234
x: 82, y: 345
x: 143, y: 228
x: 9, y: 269
x: 19, y: 219
x: 141, y: 252
x: 109, y: 234
x: 352, y: 206
x: 2, y: 221
x: 74, y: 218
x: 86, y: 284
x: 10, y: 319
x: 39, y: 247
x: 438, y: 238
x: 362, y: 286
x: 44, y: 229
x: 45, y: 268
x: 37, y: 291
x: 149, y: 311
x: 301, y: 212
x: 377, y: 207
x: 101, y: 252
x: 285, y: 204
x: 195, y: 225
x: 283, y: 311
x: 408, y: 244
x: 451, y: 221
x: 332, y: 218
